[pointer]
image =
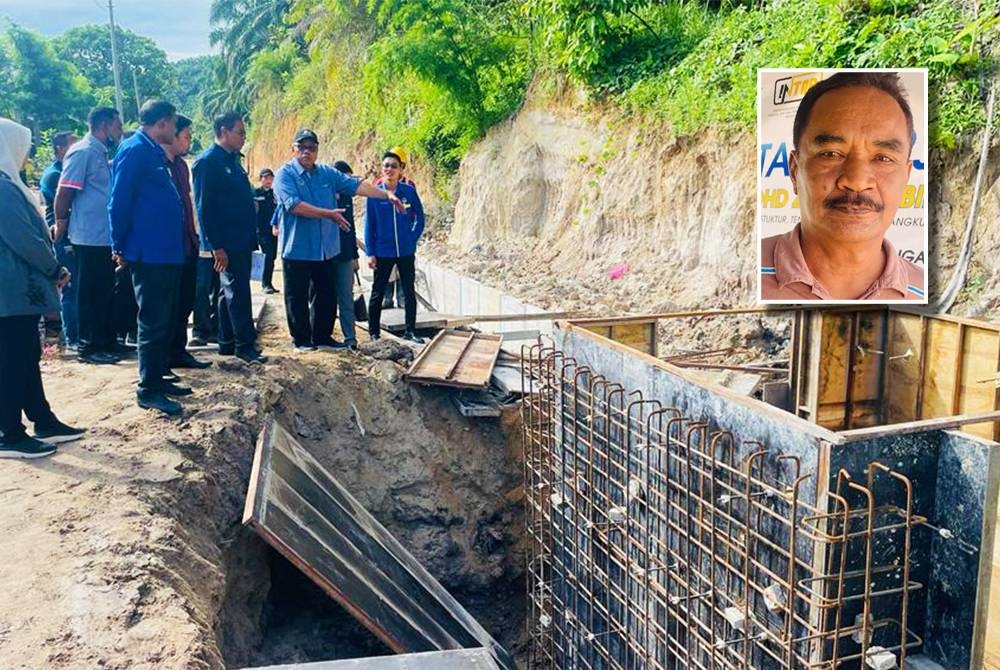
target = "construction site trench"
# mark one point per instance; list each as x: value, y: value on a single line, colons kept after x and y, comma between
x: 446, y: 486
x: 147, y: 562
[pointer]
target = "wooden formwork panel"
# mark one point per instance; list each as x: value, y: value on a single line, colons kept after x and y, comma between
x: 903, y: 377
x: 939, y: 391
x: 463, y: 359
x: 639, y: 334
x: 833, y: 375
x: 978, y: 389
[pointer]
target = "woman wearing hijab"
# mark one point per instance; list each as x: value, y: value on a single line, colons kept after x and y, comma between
x: 30, y: 276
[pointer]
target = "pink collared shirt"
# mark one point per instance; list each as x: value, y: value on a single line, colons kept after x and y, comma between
x: 784, y: 274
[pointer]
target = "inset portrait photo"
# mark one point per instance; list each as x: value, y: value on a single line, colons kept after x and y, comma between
x: 842, y: 186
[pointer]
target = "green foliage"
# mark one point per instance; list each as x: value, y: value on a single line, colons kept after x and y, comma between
x: 242, y: 29
x: 88, y: 47
x: 715, y: 84
x: 41, y: 91
x: 196, y: 76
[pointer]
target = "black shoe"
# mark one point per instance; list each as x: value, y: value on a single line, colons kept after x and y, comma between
x: 190, y: 362
x: 119, y: 349
x: 26, y: 447
x: 98, y: 358
x: 55, y: 428
x: 154, y: 400
x: 197, y: 342
x: 303, y: 348
x: 229, y: 350
x: 169, y: 388
x: 212, y: 339
x: 330, y: 344
x: 413, y: 337
x: 270, y: 290
x: 375, y: 338
x: 132, y: 339
x: 252, y: 356
x: 388, y: 305
x: 170, y: 376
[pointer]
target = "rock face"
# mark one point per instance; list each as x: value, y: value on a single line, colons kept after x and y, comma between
x: 587, y: 190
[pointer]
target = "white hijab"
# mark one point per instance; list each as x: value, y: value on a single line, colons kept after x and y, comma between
x: 15, y: 141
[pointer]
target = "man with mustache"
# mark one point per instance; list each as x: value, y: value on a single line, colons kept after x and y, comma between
x: 852, y: 137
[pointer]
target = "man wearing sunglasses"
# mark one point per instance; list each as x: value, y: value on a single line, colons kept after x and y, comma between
x: 309, y: 239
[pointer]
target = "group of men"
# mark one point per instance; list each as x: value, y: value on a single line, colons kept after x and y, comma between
x: 124, y: 206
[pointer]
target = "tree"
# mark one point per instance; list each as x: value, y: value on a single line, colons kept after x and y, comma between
x: 242, y: 28
x: 89, y: 47
x: 45, y: 92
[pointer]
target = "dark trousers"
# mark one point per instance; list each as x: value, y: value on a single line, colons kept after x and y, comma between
x: 156, y: 293
x: 235, y: 309
x: 206, y: 300
x: 310, y: 289
x: 407, y: 276
x: 124, y: 310
x: 182, y: 309
x: 268, y: 247
x: 67, y: 297
x: 95, y: 288
x: 20, y: 377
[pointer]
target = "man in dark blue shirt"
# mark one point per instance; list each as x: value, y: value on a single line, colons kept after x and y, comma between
x: 225, y: 204
x: 264, y: 201
x: 147, y: 235
x: 49, y: 184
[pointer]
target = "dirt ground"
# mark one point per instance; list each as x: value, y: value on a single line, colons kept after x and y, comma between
x: 124, y: 550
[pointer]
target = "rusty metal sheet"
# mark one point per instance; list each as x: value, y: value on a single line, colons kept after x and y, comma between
x: 463, y: 659
x: 458, y: 358
x: 301, y: 510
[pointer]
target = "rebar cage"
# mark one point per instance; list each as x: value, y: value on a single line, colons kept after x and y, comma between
x: 656, y: 541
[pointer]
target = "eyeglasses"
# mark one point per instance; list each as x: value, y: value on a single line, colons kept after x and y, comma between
x: 307, y: 148
x: 390, y: 166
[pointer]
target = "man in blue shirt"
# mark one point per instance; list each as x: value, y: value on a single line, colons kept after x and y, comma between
x: 48, y: 185
x: 147, y: 234
x: 309, y: 238
x: 81, y: 211
x: 225, y: 204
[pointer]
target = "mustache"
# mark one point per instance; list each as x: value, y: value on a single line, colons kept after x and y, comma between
x: 849, y: 200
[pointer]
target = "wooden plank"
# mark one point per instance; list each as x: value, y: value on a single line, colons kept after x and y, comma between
x: 395, y: 320
x: 304, y: 513
x: 939, y: 388
x: 985, y: 637
x: 866, y: 378
x: 457, y: 358
x: 977, y: 392
x: 833, y: 365
x: 919, y: 426
x: 637, y: 335
x: 903, y: 372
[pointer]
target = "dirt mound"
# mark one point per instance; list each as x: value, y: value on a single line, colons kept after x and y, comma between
x: 125, y: 549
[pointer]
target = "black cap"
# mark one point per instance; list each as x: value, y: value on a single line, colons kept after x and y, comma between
x: 266, y: 172
x: 305, y: 134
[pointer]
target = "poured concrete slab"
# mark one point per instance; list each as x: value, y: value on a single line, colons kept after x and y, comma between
x: 462, y: 659
x: 298, y: 508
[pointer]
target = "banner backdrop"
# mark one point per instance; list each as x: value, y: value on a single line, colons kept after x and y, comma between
x: 778, y: 96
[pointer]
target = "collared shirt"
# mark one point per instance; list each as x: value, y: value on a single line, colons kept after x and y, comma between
x: 48, y: 185
x: 86, y: 169
x: 784, y: 274
x: 147, y: 218
x: 303, y: 238
x: 224, y: 199
x: 181, y: 175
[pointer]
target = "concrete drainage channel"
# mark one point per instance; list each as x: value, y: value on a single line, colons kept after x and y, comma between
x: 448, y: 488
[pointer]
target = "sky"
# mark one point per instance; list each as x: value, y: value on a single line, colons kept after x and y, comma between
x: 179, y: 27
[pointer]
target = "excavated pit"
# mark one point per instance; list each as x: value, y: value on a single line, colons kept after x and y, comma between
x: 449, y: 488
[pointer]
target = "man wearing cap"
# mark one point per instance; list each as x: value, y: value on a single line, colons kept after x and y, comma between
x: 263, y: 198
x: 309, y: 238
x: 853, y: 135
x: 224, y: 199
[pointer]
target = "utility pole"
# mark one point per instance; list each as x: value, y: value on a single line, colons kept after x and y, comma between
x: 114, y: 58
x: 135, y: 86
